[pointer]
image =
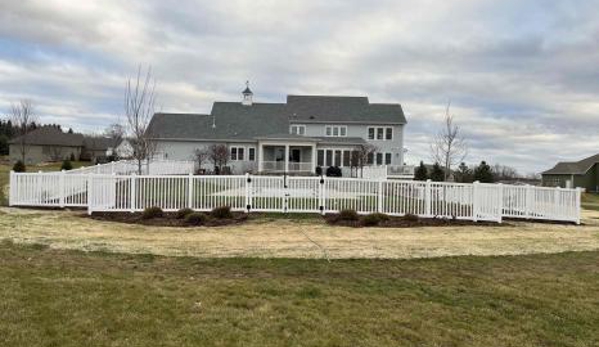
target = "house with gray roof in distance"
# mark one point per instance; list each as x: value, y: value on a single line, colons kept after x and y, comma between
x: 48, y: 143
x: 583, y: 174
x: 295, y: 137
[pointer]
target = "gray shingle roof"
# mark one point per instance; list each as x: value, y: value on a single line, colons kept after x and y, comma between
x: 342, y: 109
x: 50, y: 136
x: 234, y: 121
x: 94, y: 143
x: 573, y: 168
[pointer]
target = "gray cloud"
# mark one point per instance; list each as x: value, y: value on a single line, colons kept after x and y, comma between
x: 521, y: 75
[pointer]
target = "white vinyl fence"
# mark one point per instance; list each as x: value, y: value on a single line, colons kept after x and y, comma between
x: 127, y: 167
x: 131, y: 193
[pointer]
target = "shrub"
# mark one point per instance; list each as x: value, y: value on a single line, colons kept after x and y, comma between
x: 223, y: 212
x: 374, y: 219
x: 411, y: 217
x: 152, y: 212
x: 66, y: 165
x: 182, y: 213
x: 195, y: 218
x: 318, y: 171
x: 334, y: 171
x: 72, y: 157
x: 19, y: 167
x: 348, y: 215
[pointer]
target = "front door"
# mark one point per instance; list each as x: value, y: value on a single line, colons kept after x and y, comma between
x: 295, y: 156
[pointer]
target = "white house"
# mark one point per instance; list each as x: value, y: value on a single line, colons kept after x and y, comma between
x: 297, y: 136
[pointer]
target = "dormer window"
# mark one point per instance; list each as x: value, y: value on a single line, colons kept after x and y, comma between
x: 335, y: 130
x: 297, y: 129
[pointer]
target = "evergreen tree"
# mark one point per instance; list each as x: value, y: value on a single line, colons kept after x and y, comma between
x: 421, y: 174
x: 483, y: 173
x: 463, y: 174
x: 437, y: 173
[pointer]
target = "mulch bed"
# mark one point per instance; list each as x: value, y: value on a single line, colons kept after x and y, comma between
x: 409, y: 222
x: 167, y: 220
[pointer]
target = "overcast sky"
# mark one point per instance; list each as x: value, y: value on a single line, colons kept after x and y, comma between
x: 522, y: 76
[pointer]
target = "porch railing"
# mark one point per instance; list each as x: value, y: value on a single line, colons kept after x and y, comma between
x: 280, y: 166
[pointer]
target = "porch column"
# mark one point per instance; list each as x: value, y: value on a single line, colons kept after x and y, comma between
x: 260, y: 157
x: 286, y: 158
x: 314, y: 158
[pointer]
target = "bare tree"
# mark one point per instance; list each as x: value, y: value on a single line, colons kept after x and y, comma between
x: 219, y: 155
x: 360, y: 156
x: 56, y: 153
x: 504, y: 173
x: 116, y: 132
x: 449, y: 146
x: 139, y: 109
x: 22, y: 117
x: 201, y: 155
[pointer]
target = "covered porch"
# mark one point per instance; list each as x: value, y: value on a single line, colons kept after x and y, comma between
x: 286, y: 157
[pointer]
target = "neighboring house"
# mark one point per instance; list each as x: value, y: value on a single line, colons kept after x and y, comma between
x: 95, y: 148
x: 123, y: 149
x: 583, y: 174
x: 296, y: 136
x: 47, y: 143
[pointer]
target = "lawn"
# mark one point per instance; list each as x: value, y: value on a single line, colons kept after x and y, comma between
x: 5, y: 175
x: 590, y: 201
x: 69, y: 298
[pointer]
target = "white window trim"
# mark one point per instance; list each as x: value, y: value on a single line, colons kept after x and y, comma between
x: 247, y: 151
x: 339, y: 127
x: 298, y: 126
x: 237, y: 148
x: 376, y: 130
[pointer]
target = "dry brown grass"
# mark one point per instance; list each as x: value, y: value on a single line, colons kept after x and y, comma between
x: 289, y: 238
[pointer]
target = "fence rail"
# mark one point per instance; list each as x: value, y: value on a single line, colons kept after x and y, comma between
x: 117, y: 192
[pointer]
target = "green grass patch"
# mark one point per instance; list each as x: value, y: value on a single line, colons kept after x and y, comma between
x: 66, y: 298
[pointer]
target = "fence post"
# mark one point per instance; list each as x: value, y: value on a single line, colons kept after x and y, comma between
x: 556, y: 208
x: 380, y: 197
x: 61, y: 192
x: 321, y: 194
x: 248, y: 192
x: 500, y: 187
x: 528, y: 201
x: 427, y: 198
x: 578, y: 197
x: 90, y: 180
x: 11, y: 188
x: 475, y: 202
x: 190, y: 190
x: 133, y: 192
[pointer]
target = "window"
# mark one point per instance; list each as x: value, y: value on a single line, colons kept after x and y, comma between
x: 346, y: 156
x: 298, y: 129
x: 379, y: 159
x: 329, y: 158
x: 251, y: 154
x: 237, y: 153
x: 387, y: 158
x: 380, y: 133
x: 370, y: 158
x: 320, y: 158
x: 337, y: 158
x: 336, y: 130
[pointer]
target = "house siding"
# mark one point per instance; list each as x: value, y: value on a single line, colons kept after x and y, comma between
x: 184, y: 150
x: 37, y: 154
x: 588, y: 181
x: 395, y: 146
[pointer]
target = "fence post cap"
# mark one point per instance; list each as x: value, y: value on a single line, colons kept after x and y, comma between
x: 63, y: 170
x: 429, y: 180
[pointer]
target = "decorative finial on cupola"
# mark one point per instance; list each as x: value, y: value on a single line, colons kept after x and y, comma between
x: 247, y: 95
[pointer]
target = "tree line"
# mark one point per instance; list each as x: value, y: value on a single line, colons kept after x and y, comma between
x: 482, y: 172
